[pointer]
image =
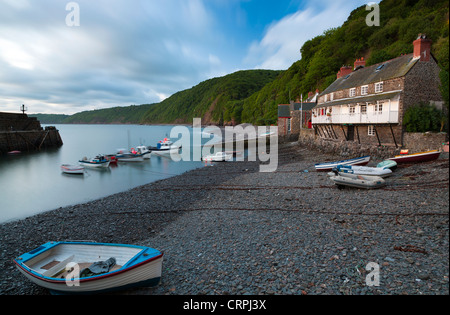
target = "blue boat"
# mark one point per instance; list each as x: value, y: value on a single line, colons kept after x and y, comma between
x: 328, y: 166
x: 89, y: 267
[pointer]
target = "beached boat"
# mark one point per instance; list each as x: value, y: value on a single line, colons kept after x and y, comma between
x: 15, y: 152
x: 357, y: 181
x: 142, y: 149
x: 218, y: 157
x: 165, y: 147
x: 328, y: 166
x: 417, y: 157
x: 72, y: 169
x: 364, y: 170
x: 387, y: 164
x: 88, y: 267
x: 100, y: 161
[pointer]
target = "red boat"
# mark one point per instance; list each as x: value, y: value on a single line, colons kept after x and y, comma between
x: 417, y: 157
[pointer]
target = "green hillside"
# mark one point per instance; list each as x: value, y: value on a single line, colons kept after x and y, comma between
x: 212, y: 99
x: 322, y: 56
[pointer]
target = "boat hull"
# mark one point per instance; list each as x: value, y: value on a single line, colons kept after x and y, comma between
x: 143, y: 269
x: 358, y: 181
x: 418, y: 157
x: 364, y: 170
x: 94, y: 164
x: 71, y: 169
x: 324, y: 167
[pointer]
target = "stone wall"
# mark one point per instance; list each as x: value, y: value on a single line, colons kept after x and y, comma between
x: 419, y: 142
x: 414, y: 142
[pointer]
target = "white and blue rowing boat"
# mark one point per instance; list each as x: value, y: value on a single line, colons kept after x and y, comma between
x: 328, y: 166
x: 364, y: 170
x: 89, y: 267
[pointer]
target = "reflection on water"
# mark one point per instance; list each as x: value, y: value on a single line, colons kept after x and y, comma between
x: 31, y: 183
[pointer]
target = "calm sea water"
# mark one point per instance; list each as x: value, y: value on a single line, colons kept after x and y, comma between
x: 32, y: 183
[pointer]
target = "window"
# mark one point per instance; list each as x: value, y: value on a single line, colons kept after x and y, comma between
x: 353, y: 92
x: 379, y: 107
x: 326, y: 98
x: 364, y: 109
x: 331, y: 96
x: 289, y: 124
x: 378, y: 87
x: 371, y: 131
x: 364, y: 89
x: 352, y: 110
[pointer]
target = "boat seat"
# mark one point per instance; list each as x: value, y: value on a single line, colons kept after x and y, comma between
x: 53, y: 271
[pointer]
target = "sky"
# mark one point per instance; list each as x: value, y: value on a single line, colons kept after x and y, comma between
x: 64, y: 57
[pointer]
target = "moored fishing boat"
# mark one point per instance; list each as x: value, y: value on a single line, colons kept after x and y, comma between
x: 328, y: 166
x: 417, y: 157
x: 100, y: 161
x: 89, y: 267
x: 127, y: 156
x: 72, y: 169
x: 165, y: 147
x: 142, y: 149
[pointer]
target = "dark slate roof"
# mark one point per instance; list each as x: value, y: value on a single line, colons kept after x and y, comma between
x: 390, y: 69
x: 284, y: 110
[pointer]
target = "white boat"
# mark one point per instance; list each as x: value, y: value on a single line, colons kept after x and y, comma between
x: 387, y: 164
x: 100, y: 161
x: 89, y: 267
x: 72, y: 169
x: 142, y: 149
x: 218, y: 157
x: 124, y: 155
x: 364, y: 170
x: 165, y: 147
x: 356, y: 181
x: 328, y: 166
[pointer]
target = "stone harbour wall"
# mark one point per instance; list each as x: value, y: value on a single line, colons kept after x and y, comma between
x: 414, y: 142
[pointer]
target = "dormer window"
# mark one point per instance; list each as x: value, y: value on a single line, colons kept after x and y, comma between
x: 353, y: 92
x: 379, y: 87
x: 364, y: 90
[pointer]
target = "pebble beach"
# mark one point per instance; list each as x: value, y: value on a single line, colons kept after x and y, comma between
x: 229, y: 229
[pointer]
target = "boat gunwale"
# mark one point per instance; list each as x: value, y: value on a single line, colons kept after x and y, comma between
x: 119, y: 271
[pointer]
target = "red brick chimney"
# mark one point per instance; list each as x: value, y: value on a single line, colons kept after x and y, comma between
x: 345, y: 70
x: 359, y: 63
x: 422, y: 48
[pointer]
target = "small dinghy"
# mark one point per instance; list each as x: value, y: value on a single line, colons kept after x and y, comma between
x: 417, y: 157
x: 72, y: 169
x: 388, y: 164
x: 328, y: 166
x: 356, y: 181
x: 363, y: 170
x: 88, y: 267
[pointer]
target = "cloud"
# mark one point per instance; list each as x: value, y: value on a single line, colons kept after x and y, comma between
x: 123, y: 52
x: 280, y: 46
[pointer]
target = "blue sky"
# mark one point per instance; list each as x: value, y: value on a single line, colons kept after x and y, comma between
x: 142, y: 51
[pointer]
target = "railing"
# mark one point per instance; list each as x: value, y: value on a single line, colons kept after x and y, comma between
x: 385, y: 117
